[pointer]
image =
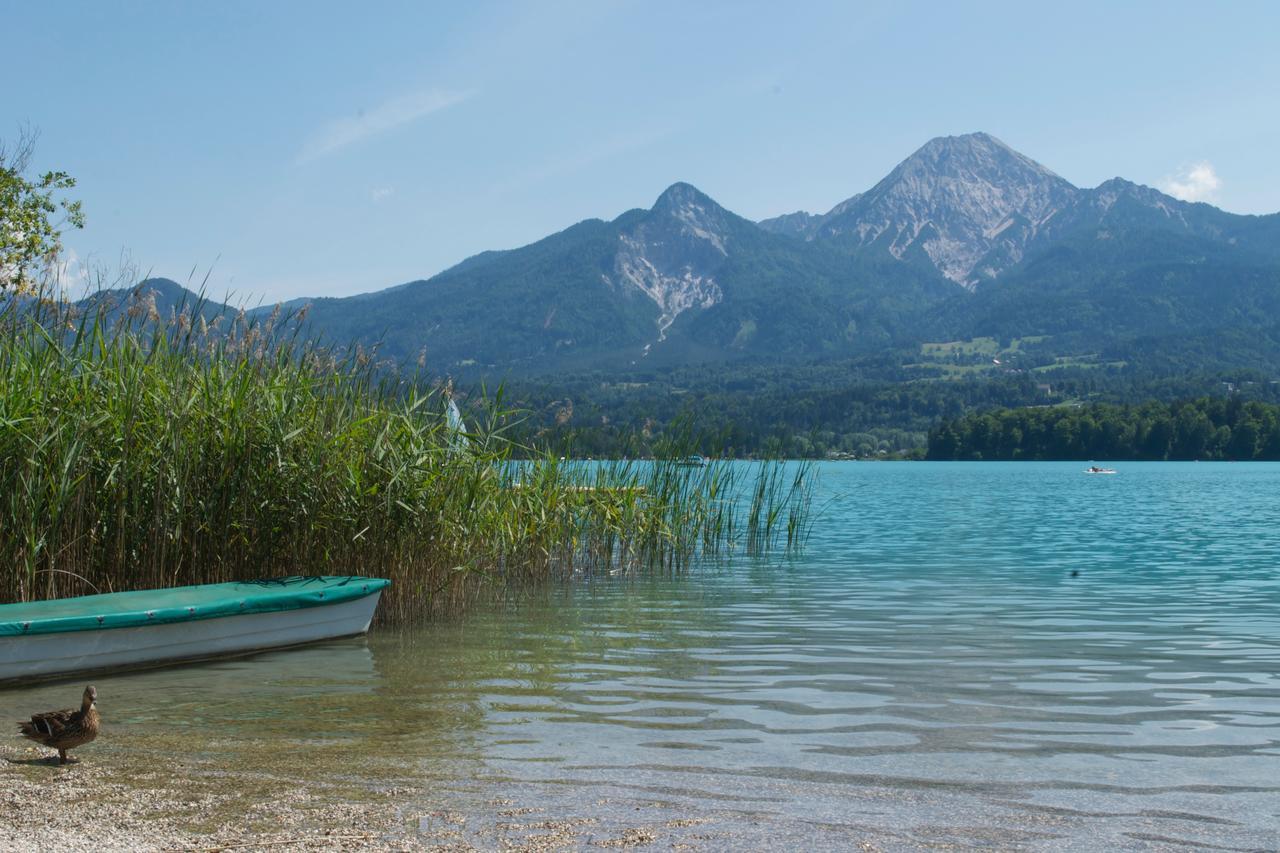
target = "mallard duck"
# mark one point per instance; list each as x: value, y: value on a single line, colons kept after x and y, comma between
x: 63, y: 730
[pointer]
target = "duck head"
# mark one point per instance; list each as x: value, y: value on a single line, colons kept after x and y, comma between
x: 89, y: 698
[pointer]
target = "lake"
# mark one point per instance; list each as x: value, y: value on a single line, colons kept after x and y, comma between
x: 1005, y: 655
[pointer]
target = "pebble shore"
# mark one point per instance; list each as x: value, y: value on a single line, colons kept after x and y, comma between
x: 94, y: 805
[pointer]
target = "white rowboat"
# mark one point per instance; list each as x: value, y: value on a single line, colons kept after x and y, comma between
x: 125, y: 630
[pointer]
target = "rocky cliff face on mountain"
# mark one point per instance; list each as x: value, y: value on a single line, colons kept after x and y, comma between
x: 798, y: 224
x: 672, y: 255
x: 969, y: 204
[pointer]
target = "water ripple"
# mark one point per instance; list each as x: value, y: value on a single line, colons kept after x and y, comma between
x: 931, y: 664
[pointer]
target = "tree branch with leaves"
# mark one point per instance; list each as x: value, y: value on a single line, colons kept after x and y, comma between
x: 33, y: 212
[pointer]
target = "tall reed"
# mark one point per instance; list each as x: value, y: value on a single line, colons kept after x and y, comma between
x: 143, y: 451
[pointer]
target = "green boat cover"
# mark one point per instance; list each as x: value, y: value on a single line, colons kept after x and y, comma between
x: 180, y: 604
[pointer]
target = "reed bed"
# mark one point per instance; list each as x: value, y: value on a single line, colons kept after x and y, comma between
x: 142, y: 451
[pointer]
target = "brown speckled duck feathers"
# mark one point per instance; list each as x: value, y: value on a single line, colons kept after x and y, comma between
x: 64, y: 730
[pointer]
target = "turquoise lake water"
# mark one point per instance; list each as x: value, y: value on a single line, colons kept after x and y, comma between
x: 929, y: 672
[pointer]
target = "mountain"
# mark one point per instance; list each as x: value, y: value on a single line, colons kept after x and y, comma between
x: 969, y: 205
x: 964, y: 239
x: 149, y: 299
x: 973, y: 208
x: 674, y: 255
x: 685, y: 280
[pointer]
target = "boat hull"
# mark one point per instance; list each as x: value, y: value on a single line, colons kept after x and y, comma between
x: 42, y: 656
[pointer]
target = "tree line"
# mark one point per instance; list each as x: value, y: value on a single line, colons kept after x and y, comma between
x: 851, y: 409
x: 1209, y: 428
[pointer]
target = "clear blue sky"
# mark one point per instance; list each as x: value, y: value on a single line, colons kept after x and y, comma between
x: 311, y: 148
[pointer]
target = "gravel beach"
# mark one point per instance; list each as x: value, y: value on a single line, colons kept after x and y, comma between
x: 96, y: 805
x: 92, y: 805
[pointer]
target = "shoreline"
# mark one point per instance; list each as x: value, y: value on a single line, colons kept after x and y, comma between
x: 94, y: 804
x: 97, y: 804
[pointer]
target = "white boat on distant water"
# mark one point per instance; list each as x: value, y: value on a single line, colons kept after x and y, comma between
x: 1094, y: 469
x: 125, y: 630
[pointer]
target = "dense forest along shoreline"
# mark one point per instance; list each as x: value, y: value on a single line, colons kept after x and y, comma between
x: 1208, y: 428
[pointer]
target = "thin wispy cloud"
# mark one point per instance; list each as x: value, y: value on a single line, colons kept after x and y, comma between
x: 1197, y: 182
x: 379, y: 193
x: 387, y: 116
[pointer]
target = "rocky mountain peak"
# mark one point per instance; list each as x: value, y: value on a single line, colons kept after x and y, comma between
x: 700, y: 216
x: 970, y: 203
x: 673, y: 254
x: 798, y: 224
x: 681, y: 194
x: 978, y: 155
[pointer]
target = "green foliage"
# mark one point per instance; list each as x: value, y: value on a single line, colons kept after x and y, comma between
x: 871, y: 407
x: 30, y: 227
x: 1151, y: 298
x: 875, y: 405
x: 1205, y: 428
x: 139, y: 453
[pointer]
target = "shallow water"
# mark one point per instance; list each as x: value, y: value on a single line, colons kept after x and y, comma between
x: 929, y: 672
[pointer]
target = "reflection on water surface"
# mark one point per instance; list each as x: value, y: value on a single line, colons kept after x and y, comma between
x: 928, y: 672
